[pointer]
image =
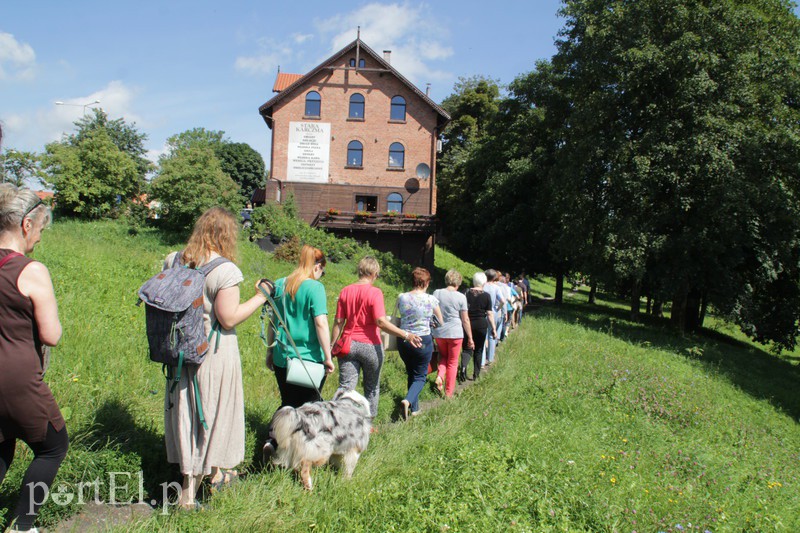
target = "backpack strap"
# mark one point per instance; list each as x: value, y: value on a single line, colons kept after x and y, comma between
x: 176, y: 261
x: 211, y: 265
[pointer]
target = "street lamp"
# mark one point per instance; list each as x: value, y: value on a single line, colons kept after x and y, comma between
x: 84, y: 106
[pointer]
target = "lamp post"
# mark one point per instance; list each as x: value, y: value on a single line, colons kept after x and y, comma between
x: 84, y: 106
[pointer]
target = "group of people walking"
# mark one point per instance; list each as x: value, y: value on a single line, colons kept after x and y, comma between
x: 470, y: 323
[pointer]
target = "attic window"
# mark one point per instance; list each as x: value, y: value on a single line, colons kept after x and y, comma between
x: 361, y: 62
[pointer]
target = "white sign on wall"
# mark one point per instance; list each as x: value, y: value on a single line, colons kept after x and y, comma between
x: 309, y: 152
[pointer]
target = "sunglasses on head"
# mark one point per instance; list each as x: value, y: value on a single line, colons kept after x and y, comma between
x: 28, y: 212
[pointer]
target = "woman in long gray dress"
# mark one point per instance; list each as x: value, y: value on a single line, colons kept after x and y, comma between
x: 220, y: 448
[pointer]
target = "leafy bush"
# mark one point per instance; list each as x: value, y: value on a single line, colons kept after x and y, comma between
x: 281, y: 222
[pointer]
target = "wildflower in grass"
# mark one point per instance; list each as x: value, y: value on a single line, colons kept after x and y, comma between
x: 613, y: 480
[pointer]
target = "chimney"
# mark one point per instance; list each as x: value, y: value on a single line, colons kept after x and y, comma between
x: 387, y: 56
x: 427, y: 89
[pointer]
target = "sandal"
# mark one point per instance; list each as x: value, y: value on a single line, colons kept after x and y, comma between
x: 229, y: 477
x: 440, y: 385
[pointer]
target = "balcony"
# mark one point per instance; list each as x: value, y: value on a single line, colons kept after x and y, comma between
x: 375, y: 222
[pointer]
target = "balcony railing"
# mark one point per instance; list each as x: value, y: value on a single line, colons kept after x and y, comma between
x: 377, y: 222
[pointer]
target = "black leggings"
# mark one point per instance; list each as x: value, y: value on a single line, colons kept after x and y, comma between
x: 479, y: 337
x: 47, y: 457
x: 295, y: 395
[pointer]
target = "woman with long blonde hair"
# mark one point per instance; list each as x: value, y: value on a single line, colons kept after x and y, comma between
x: 215, y: 451
x: 301, y: 300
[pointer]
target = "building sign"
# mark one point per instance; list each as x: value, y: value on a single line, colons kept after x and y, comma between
x: 309, y: 152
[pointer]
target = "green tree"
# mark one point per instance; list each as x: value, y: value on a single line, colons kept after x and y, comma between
x: 244, y: 165
x: 196, y: 137
x: 126, y: 137
x: 472, y: 106
x: 189, y: 181
x: 20, y: 167
x: 685, y: 113
x: 90, y: 178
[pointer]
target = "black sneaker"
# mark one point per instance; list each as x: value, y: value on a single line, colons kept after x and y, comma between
x: 268, y: 451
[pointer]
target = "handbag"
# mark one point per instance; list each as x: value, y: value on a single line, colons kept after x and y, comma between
x: 342, y: 345
x: 389, y: 340
x: 302, y: 373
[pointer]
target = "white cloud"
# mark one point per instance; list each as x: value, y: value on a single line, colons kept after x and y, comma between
x: 300, y: 38
x: 259, y: 64
x: 408, y: 31
x: 32, y: 131
x: 17, y: 60
x: 265, y: 62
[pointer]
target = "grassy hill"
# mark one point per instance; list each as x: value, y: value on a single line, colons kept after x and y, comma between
x: 588, y: 422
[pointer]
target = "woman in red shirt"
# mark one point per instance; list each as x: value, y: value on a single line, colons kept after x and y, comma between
x: 359, y: 313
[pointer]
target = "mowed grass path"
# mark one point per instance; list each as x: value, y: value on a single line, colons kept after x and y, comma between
x: 573, y: 430
x: 587, y: 422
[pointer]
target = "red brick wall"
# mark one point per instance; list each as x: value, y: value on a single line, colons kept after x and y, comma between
x: 312, y: 198
x: 376, y: 133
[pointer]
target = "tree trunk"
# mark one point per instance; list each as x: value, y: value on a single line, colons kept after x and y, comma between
x: 692, y: 312
x: 678, y: 317
x: 593, y: 292
x: 658, y: 308
x: 559, y: 287
x: 649, y: 308
x: 703, y: 309
x: 636, y: 302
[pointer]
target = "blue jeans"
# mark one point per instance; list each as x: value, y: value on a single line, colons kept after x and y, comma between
x: 492, y: 343
x: 416, y: 361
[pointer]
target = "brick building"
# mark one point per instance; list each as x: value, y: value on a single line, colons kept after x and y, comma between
x: 356, y: 143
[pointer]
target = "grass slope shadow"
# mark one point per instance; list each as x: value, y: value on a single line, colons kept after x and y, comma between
x: 757, y: 372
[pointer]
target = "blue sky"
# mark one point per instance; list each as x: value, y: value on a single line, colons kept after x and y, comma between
x: 174, y: 65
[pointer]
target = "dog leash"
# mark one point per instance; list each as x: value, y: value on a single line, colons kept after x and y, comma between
x: 265, y: 313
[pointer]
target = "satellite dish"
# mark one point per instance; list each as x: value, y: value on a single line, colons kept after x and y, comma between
x: 412, y: 185
x: 423, y: 171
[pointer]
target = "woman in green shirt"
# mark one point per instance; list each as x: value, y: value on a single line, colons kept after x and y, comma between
x: 301, y: 301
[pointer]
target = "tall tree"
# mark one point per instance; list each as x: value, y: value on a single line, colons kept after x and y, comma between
x: 126, y: 137
x: 244, y: 165
x: 676, y: 107
x: 20, y: 167
x: 472, y: 106
x: 90, y: 178
x: 196, y: 137
x: 189, y: 181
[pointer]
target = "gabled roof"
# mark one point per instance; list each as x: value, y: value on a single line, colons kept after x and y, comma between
x: 266, y: 109
x: 284, y: 80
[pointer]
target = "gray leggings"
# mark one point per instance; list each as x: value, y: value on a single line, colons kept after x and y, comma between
x: 369, y: 358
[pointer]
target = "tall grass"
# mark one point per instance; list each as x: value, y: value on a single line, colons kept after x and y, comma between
x: 588, y: 422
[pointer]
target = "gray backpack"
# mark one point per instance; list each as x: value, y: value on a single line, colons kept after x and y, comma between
x: 173, y: 301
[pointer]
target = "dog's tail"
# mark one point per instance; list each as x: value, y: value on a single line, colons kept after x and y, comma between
x: 284, y: 426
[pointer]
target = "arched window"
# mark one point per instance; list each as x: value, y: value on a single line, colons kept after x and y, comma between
x: 313, y: 104
x: 356, y: 106
x: 398, y: 108
x: 397, y: 155
x: 394, y: 202
x: 361, y: 62
x: 355, y: 154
